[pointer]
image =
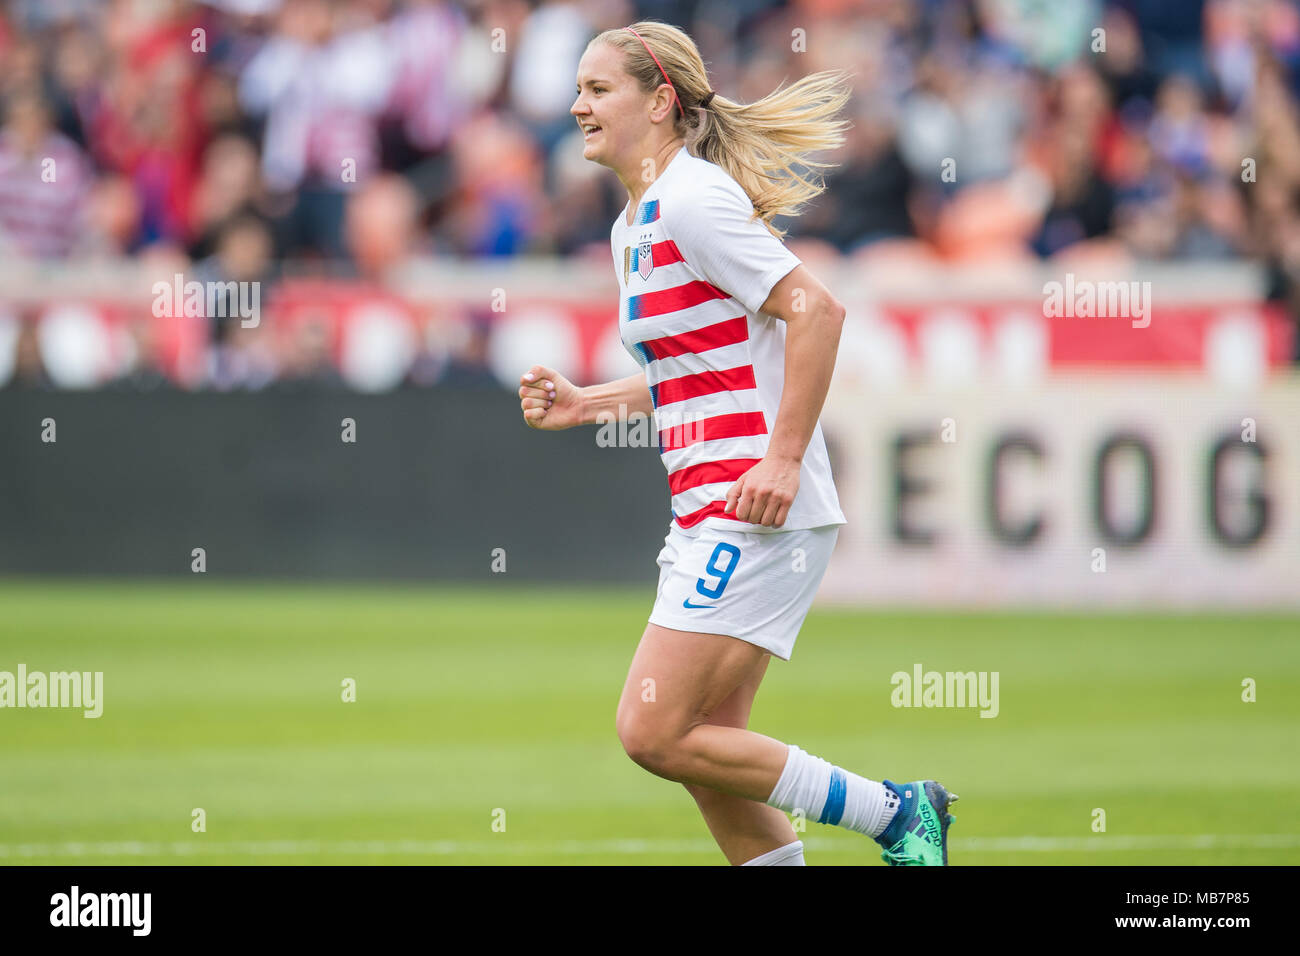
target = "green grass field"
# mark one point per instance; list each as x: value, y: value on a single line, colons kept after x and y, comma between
x: 227, y: 697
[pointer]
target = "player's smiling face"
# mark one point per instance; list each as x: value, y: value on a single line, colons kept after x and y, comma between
x: 610, y: 108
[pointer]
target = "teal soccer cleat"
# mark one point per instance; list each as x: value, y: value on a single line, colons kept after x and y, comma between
x: 918, y: 834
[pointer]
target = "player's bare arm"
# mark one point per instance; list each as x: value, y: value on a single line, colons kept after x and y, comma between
x: 550, y: 402
x: 765, y: 493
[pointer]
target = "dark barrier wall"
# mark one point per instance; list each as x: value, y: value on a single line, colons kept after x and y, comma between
x: 435, y: 481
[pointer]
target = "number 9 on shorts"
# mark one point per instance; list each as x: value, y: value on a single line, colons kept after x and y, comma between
x: 754, y: 586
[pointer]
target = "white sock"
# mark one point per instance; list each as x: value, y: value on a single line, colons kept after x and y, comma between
x: 828, y: 794
x: 789, y: 855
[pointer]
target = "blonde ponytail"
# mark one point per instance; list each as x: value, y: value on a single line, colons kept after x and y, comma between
x: 761, y: 144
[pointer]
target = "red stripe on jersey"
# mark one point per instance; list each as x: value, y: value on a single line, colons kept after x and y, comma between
x: 737, y: 425
x: 675, y: 299
x: 712, y: 509
x: 704, y: 383
x: 665, y: 253
x: 708, y: 472
x: 716, y: 336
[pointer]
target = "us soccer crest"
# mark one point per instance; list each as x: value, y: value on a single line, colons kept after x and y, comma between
x: 645, y: 260
x: 640, y: 260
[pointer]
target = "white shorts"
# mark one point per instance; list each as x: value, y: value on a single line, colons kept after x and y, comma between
x: 755, y: 586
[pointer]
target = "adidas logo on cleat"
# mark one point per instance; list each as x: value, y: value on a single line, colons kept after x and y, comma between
x: 931, y: 823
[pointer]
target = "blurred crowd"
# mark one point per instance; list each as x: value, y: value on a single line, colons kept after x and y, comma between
x: 249, y: 139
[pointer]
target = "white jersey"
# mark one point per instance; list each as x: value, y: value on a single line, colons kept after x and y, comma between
x: 694, y: 271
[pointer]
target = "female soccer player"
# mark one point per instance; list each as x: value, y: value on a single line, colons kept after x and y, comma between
x: 737, y: 340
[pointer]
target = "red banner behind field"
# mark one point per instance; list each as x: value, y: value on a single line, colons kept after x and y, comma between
x: 374, y: 337
x: 1178, y: 334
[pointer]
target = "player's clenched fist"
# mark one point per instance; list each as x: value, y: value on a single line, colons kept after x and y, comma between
x: 549, y: 400
x: 763, y: 495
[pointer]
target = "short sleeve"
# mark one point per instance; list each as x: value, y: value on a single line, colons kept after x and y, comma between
x: 717, y: 238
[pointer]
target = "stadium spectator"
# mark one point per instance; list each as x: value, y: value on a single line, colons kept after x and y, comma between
x: 44, y: 182
x: 145, y: 122
x: 380, y: 225
x: 229, y: 184
x: 111, y: 226
x: 321, y: 81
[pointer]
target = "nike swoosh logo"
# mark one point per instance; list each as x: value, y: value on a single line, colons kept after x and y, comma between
x: 687, y: 603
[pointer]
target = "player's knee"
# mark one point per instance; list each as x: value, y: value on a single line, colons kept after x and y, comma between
x: 648, y: 743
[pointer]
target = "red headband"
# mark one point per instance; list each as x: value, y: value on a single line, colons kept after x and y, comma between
x: 661, y: 67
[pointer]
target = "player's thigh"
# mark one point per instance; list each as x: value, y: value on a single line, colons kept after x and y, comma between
x: 678, y: 679
x: 735, y: 710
